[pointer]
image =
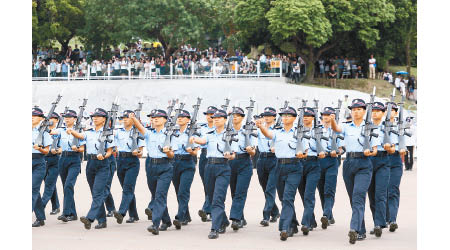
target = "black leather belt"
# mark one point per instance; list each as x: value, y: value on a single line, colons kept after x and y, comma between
x: 355, y: 155
x: 266, y: 154
x: 287, y: 160
x: 381, y: 153
x: 50, y: 155
x: 126, y: 155
x: 37, y: 155
x: 70, y: 153
x: 241, y: 156
x: 91, y: 157
x: 159, y: 160
x: 217, y: 160
x: 204, y: 151
x: 184, y: 157
x: 310, y: 158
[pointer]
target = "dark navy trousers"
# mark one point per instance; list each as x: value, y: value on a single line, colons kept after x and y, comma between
x: 241, y: 175
x: 127, y: 172
x: 329, y: 167
x: 357, y: 174
x: 217, y: 178
x: 51, y: 177
x: 266, y: 170
x: 378, y: 189
x: 159, y: 177
x: 109, y: 201
x: 38, y: 175
x: 183, y: 175
x: 289, y: 176
x: 201, y: 170
x: 149, y: 177
x: 396, y: 171
x: 69, y: 169
x: 307, y: 190
x: 97, y: 174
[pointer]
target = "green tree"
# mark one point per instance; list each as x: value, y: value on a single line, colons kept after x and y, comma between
x: 56, y: 20
x: 315, y: 26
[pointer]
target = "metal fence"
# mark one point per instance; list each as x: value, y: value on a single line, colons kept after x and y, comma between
x: 233, y: 69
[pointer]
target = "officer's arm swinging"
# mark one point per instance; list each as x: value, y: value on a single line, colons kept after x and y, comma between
x: 334, y: 124
x: 266, y: 132
x: 137, y: 124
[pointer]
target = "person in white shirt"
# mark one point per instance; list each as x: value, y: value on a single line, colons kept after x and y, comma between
x: 410, y: 144
x: 58, y: 69
x: 372, y: 62
x: 124, y: 67
x: 263, y: 60
x: 397, y: 82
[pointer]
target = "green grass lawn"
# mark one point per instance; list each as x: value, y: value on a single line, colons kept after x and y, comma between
x: 384, y: 89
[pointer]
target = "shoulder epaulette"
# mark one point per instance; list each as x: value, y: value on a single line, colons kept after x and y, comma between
x: 90, y: 129
x: 210, y: 132
x: 347, y: 122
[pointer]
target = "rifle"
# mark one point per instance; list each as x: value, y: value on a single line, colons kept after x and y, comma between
x: 108, y: 128
x: 278, y: 122
x: 229, y: 136
x: 367, y: 131
x: 227, y: 103
x: 334, y: 135
x: 171, y: 128
x: 45, y: 123
x: 169, y: 111
x: 249, y: 126
x: 59, y: 125
x: 301, y: 130
x: 78, y: 126
x: 388, y: 125
x: 193, y: 126
x: 318, y: 129
x: 135, y: 137
x: 402, y: 125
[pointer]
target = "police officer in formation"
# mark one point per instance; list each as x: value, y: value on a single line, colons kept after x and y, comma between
x: 205, y: 212
x: 281, y: 168
x: 51, y: 176
x: 266, y: 168
x: 127, y: 168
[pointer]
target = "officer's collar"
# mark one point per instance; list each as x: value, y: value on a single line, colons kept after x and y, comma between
x: 362, y: 123
x: 292, y: 129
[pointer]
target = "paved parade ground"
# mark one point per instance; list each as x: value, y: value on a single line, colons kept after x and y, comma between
x: 72, y: 235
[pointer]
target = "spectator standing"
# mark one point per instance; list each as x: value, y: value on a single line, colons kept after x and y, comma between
x: 263, y: 61
x: 53, y: 68
x: 372, y: 65
x: 410, y: 145
x: 76, y: 53
x: 64, y: 68
x: 82, y: 54
x: 36, y: 66
x: 411, y: 87
x: 333, y: 76
x: 58, y: 69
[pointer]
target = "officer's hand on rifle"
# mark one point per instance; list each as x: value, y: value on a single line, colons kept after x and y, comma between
x: 300, y: 155
x: 135, y: 152
x: 321, y: 155
x: 402, y: 152
x: 272, y: 150
x: 53, y: 151
x: 100, y: 157
x: 251, y: 150
x: 229, y: 156
x: 166, y: 149
x: 35, y: 146
x: 59, y: 151
x: 367, y: 152
x: 189, y: 149
x: 333, y: 153
x: 259, y: 123
x: 74, y: 148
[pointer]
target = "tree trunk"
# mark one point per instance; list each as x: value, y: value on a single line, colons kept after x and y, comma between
x: 310, y: 68
x: 408, y: 55
x: 387, y: 66
x: 64, y: 45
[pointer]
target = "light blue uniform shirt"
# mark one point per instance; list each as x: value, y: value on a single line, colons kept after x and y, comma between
x: 328, y: 132
x: 285, y: 143
x: 47, y: 141
x: 263, y: 142
x: 203, y: 130
x: 212, y: 140
x: 394, y: 140
x: 353, y: 139
x: 154, y: 139
x: 65, y: 141
x: 92, y: 144
x: 123, y: 140
x: 379, y: 131
x: 241, y: 141
x: 181, y: 141
x: 312, y: 143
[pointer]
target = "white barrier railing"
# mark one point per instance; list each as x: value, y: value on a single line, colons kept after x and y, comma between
x: 223, y: 70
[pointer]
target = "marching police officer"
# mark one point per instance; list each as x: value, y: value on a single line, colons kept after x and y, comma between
x: 148, y: 209
x: 266, y: 169
x: 183, y: 170
x: 289, y: 169
x: 98, y: 169
x: 311, y: 174
x: 241, y: 171
x: 51, y: 176
x: 69, y: 164
x: 38, y: 164
x: 396, y: 172
x: 161, y: 171
x: 217, y: 172
x: 357, y: 171
x: 329, y: 171
x: 109, y: 201
x: 127, y: 168
x: 205, y: 212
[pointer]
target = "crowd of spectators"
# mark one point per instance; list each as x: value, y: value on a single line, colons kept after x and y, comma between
x: 408, y: 83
